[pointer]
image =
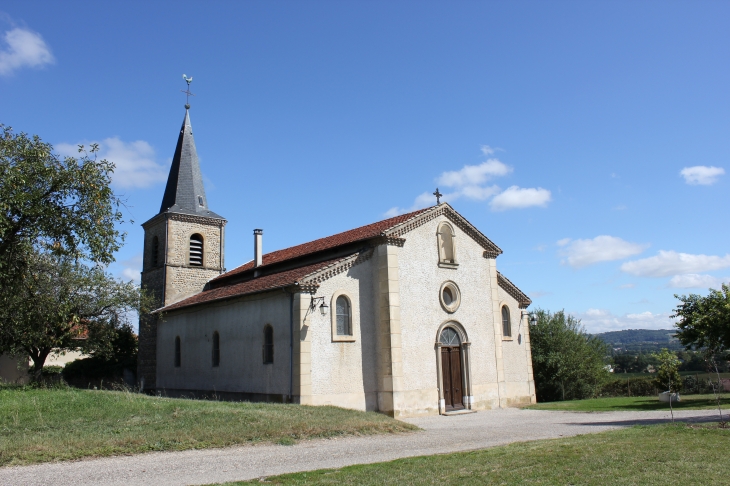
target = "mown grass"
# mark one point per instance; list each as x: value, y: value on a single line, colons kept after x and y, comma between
x: 688, y: 402
x: 646, y: 455
x: 38, y: 425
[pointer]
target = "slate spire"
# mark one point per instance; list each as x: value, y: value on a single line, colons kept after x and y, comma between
x: 185, y: 192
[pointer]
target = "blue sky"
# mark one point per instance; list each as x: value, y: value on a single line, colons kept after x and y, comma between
x: 589, y: 140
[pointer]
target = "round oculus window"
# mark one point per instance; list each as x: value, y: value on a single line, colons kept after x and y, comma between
x: 450, y: 296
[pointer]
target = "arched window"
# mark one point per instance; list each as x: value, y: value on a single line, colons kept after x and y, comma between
x: 344, y: 318
x: 447, y: 252
x: 196, y: 250
x: 216, y: 349
x: 268, y: 344
x: 506, y: 324
x: 155, y: 251
x: 449, y: 337
x: 178, y: 358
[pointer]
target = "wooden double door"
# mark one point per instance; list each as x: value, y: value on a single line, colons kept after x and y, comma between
x: 452, y: 377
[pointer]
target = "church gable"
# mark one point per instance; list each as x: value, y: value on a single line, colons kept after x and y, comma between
x: 398, y: 231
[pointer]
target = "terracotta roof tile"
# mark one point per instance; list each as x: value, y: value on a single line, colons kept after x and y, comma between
x: 260, y: 284
x: 358, y: 234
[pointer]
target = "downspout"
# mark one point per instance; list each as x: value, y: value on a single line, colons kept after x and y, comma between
x: 291, y: 346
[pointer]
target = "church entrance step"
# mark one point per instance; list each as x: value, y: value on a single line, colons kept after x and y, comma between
x: 459, y: 412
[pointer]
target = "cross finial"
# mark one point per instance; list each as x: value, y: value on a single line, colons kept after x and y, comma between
x: 438, y: 196
x: 187, y: 92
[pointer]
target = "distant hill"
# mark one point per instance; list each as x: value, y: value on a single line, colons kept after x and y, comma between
x: 640, y: 340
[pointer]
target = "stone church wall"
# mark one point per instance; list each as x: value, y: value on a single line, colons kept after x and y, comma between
x: 516, y: 353
x: 240, y: 324
x: 343, y: 373
x: 422, y: 314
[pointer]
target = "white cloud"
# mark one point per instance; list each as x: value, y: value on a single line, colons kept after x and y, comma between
x: 23, y: 48
x: 135, y: 161
x: 602, y: 320
x: 668, y: 263
x: 517, y: 198
x: 473, y: 175
x: 487, y: 150
x: 696, y: 281
x: 604, y: 248
x: 131, y: 268
x: 470, y: 181
x: 701, y: 174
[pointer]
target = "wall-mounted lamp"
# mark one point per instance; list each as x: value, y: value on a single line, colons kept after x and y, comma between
x: 532, y: 319
x: 323, y: 307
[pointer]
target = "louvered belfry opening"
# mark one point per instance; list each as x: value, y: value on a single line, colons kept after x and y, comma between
x: 196, y: 250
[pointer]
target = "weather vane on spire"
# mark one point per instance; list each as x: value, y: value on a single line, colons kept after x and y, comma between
x: 187, y: 92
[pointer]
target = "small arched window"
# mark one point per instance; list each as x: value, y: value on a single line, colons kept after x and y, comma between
x: 196, y: 250
x: 447, y: 251
x: 268, y: 344
x: 216, y: 349
x: 155, y: 251
x: 344, y: 317
x: 506, y: 324
x: 178, y: 358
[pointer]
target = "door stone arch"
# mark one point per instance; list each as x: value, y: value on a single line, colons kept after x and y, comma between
x: 453, y: 366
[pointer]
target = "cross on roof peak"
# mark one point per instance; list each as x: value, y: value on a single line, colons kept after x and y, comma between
x: 438, y: 196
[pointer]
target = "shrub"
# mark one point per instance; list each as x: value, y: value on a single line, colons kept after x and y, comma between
x: 638, y: 387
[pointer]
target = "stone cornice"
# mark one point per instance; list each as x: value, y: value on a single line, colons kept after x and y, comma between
x: 389, y: 240
x: 522, y: 299
x: 311, y: 282
x: 189, y: 218
x: 445, y: 210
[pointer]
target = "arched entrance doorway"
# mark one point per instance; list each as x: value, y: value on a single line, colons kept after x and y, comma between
x: 451, y: 370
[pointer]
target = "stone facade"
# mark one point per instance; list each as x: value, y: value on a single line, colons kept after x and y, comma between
x: 392, y: 362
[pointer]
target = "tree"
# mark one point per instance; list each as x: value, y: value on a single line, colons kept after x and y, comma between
x: 667, y: 375
x: 64, y: 206
x: 704, y: 322
x: 567, y: 362
x: 61, y: 304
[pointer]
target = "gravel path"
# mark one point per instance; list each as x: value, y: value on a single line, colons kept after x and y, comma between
x: 441, y: 434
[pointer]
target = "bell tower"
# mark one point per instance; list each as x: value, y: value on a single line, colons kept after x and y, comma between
x: 183, y: 246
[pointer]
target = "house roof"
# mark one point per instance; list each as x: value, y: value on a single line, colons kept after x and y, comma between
x: 274, y: 281
x: 347, y: 237
x: 184, y: 190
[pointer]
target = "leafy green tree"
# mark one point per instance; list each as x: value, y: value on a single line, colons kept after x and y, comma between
x: 667, y: 375
x: 704, y: 322
x: 567, y: 363
x: 47, y: 203
x: 62, y: 208
x: 61, y: 304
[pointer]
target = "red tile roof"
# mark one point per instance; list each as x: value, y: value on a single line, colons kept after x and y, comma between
x: 354, y: 235
x: 260, y: 284
x: 292, y: 276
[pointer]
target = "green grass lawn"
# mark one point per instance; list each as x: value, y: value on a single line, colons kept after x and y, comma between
x: 688, y: 402
x: 647, y: 455
x: 38, y: 425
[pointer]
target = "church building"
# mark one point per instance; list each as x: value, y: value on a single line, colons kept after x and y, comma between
x: 406, y: 316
